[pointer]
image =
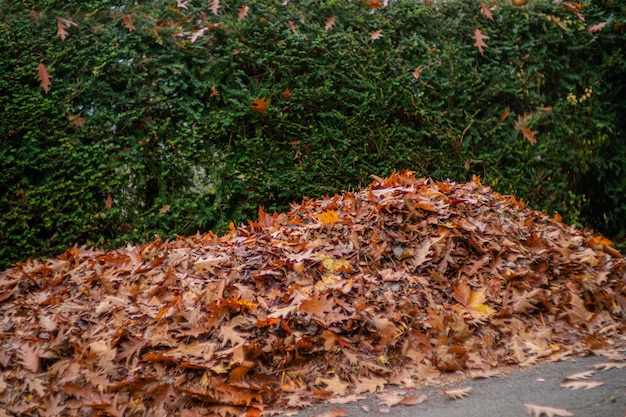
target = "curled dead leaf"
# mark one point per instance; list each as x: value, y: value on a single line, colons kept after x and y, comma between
x: 458, y: 393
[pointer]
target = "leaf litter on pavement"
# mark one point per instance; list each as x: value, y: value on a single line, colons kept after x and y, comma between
x: 396, y: 284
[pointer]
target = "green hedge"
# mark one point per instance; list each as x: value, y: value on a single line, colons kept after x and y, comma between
x: 170, y: 144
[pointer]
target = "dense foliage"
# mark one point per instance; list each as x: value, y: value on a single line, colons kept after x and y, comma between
x: 171, y: 117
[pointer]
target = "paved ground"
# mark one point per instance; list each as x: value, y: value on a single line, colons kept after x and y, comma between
x: 506, y: 396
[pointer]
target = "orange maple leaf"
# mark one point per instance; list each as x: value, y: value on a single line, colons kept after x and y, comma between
x: 44, y: 77
x: 260, y: 105
x: 479, y: 37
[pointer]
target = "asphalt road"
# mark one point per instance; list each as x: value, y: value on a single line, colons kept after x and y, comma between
x: 506, y: 396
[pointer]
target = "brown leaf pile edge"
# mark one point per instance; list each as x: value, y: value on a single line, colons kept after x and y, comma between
x: 342, y: 296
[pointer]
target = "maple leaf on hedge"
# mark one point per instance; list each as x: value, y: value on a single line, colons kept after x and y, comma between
x: 260, y: 105
x: 44, y: 77
x: 479, y: 37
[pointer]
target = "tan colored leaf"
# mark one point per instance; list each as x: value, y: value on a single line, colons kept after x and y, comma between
x: 197, y: 34
x: 335, y: 412
x: 578, y: 376
x: 479, y: 38
x: 417, y: 72
x: 377, y: 34
x: 243, y: 12
x: 597, y: 27
x: 522, y: 125
x: 369, y: 385
x: 62, y: 26
x: 334, y: 385
x: 458, y: 393
x: 486, y: 11
x: 29, y: 357
x: 128, y: 23
x: 330, y: 23
x: 44, y: 77
x: 607, y: 366
x: 182, y: 4
x: 109, y: 202
x: 214, y: 6
x: 76, y: 119
x: 581, y: 384
x: 293, y: 27
x: 558, y: 22
x: 540, y: 410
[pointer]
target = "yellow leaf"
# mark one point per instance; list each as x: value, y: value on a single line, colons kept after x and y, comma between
x: 329, y: 216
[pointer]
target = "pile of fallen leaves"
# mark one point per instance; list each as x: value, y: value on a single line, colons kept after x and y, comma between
x: 342, y: 296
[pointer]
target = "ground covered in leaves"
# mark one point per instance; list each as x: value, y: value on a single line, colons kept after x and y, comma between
x: 342, y: 296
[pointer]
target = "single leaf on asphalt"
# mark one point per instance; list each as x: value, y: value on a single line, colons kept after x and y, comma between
x: 606, y: 366
x: 540, y: 410
x: 581, y: 384
x: 579, y: 376
x: 458, y: 393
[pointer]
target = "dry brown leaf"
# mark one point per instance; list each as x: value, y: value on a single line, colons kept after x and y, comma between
x: 243, y: 12
x: 44, y: 77
x: 335, y: 412
x: 606, y: 366
x: 486, y: 11
x: 581, y: 384
x: 540, y: 410
x: 479, y: 39
x: 578, y: 376
x: 215, y: 6
x: 377, y: 34
x: 458, y: 393
x: 597, y: 27
x: 330, y: 23
x: 279, y: 311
